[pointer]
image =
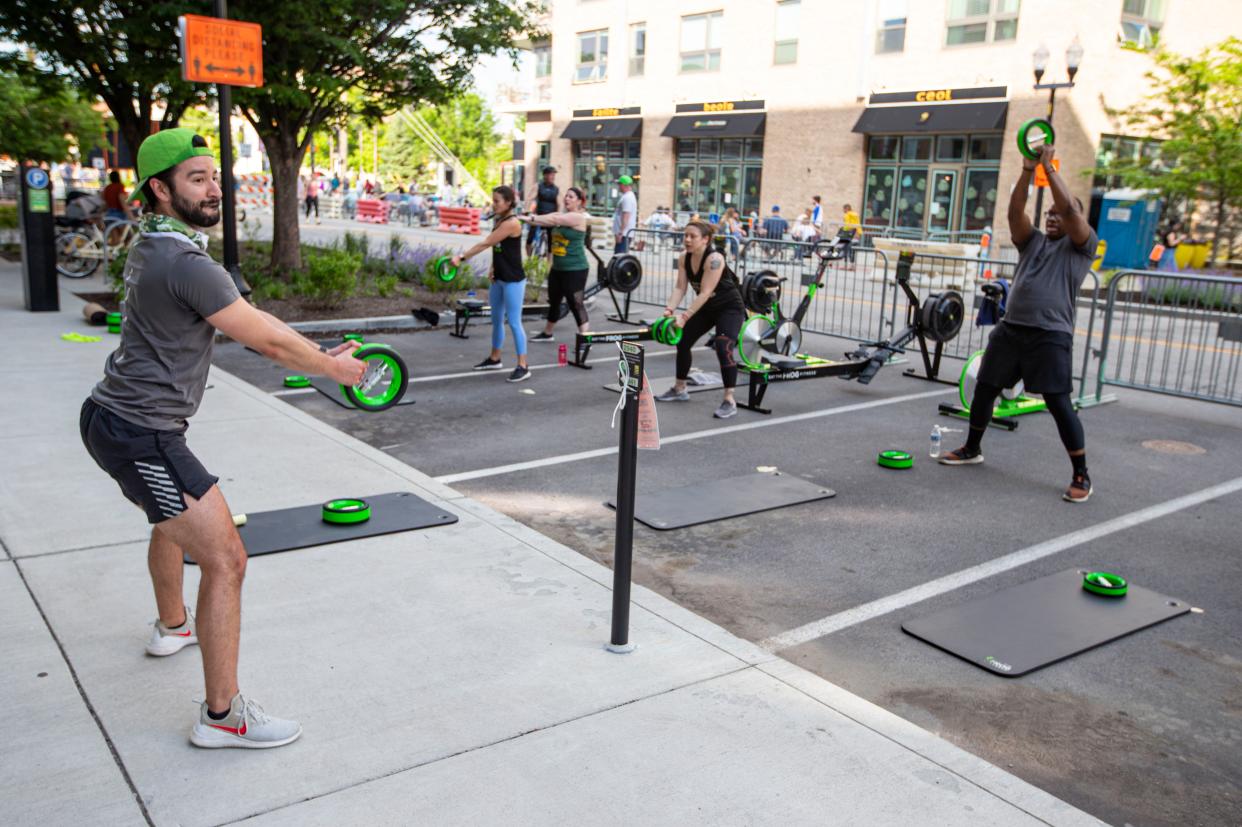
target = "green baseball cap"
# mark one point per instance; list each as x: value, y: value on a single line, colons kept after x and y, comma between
x: 164, y: 150
x: 625, y: 179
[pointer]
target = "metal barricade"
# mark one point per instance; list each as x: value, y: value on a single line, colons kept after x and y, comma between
x: 856, y: 301
x: 658, y: 251
x: 1173, y: 334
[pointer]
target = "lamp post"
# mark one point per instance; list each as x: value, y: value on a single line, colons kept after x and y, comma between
x: 1039, y: 60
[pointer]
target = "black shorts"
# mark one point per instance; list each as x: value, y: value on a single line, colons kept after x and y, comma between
x: 1042, y: 359
x: 155, y: 469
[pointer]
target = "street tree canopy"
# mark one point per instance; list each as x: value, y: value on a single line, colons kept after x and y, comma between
x: 43, y: 116
x: 328, y: 60
x: 465, y: 125
x: 1195, y: 108
x: 123, y: 53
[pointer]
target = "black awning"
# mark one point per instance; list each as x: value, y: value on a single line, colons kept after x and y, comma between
x: 716, y: 125
x: 588, y: 128
x: 944, y: 117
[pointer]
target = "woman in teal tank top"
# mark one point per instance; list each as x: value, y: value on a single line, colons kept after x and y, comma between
x: 568, y: 277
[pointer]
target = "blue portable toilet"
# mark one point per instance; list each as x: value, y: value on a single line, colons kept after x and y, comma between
x: 1128, y: 222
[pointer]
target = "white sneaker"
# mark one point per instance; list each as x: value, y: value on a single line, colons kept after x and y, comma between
x: 165, y: 641
x: 246, y: 726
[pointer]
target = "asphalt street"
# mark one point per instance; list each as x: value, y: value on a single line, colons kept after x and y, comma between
x: 1143, y: 730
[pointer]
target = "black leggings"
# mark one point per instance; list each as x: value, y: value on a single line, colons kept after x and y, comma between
x: 1059, y: 405
x: 728, y: 324
x: 567, y: 285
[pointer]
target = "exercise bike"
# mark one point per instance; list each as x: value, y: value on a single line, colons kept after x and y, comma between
x: 768, y: 344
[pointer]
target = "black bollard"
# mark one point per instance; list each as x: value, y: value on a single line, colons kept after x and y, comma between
x: 631, y: 370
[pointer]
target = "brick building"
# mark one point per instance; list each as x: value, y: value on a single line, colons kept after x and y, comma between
x: 907, y: 110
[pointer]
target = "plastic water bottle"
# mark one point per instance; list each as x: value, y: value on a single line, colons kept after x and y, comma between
x: 935, y: 441
x: 562, y: 355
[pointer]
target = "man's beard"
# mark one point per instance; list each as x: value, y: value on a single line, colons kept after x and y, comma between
x: 198, y: 214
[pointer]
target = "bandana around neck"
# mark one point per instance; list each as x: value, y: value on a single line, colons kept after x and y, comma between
x: 159, y: 223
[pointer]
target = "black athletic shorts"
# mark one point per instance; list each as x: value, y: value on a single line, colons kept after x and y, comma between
x: 1042, y: 359
x: 155, y: 469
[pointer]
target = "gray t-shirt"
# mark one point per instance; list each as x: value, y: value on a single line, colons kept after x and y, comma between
x: 156, y: 377
x: 1047, y: 280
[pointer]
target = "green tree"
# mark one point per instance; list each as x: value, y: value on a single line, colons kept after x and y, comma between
x: 125, y: 54
x: 326, y: 60
x: 1195, y: 108
x: 468, y: 129
x: 43, y: 117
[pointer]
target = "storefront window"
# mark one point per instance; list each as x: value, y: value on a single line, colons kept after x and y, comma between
x: 979, y: 199
x: 598, y: 165
x: 878, y: 200
x: 944, y: 184
x: 715, y: 174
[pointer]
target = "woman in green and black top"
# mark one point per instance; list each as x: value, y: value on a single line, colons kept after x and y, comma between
x: 568, y: 277
x: 508, y: 287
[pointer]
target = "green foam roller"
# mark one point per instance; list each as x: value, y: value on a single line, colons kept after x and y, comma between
x: 897, y: 460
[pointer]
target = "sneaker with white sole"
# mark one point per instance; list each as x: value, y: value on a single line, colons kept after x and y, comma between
x: 520, y: 374
x: 541, y: 336
x: 961, y: 456
x: 489, y: 364
x: 726, y: 410
x: 673, y: 395
x: 246, y: 726
x: 165, y: 641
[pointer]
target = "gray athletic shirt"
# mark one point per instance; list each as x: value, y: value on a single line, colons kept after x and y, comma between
x: 156, y: 377
x: 1047, y: 280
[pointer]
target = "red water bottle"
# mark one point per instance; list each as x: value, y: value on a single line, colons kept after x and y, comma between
x: 562, y: 356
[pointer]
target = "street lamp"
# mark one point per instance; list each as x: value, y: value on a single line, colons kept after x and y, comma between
x: 1039, y: 62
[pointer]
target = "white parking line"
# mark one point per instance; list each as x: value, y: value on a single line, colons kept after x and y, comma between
x: 439, y: 376
x: 867, y: 611
x: 768, y: 422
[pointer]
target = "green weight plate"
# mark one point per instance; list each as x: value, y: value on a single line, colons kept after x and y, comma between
x: 384, y: 382
x: 297, y: 381
x: 1032, y: 135
x: 897, y: 460
x: 672, y: 333
x: 1105, y: 583
x: 114, y: 328
x: 756, y: 336
x: 445, y: 270
x: 353, y: 337
x: 346, y: 511
x: 113, y: 318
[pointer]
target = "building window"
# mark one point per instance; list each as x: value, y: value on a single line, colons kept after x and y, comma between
x: 1140, y: 23
x: 1119, y: 151
x: 543, y: 59
x: 978, y: 21
x: 545, y: 154
x: 598, y: 165
x: 786, y: 50
x: 592, y: 56
x: 923, y: 186
x: 713, y: 175
x: 891, y: 35
x: 700, y: 42
x: 638, y: 49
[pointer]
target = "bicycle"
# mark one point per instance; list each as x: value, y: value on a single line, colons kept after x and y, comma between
x: 83, y: 244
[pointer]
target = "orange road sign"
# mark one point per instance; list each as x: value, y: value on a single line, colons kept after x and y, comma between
x: 1041, y: 177
x: 216, y: 50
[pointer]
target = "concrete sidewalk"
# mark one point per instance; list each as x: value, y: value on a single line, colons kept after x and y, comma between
x: 455, y: 675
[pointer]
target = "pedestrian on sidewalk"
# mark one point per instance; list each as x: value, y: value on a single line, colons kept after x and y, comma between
x: 312, y: 197
x: 625, y: 216
x: 851, y: 221
x: 508, y: 289
x: 134, y: 423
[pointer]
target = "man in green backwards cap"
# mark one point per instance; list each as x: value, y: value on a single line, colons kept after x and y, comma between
x: 134, y: 422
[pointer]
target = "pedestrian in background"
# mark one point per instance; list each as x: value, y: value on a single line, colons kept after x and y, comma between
x: 851, y: 221
x: 625, y: 216
x: 817, y: 214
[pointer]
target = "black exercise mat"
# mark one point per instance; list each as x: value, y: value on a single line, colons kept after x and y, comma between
x: 285, y: 529
x: 1026, y: 627
x: 332, y: 390
x: 710, y: 500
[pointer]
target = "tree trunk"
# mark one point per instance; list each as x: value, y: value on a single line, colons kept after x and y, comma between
x: 286, y: 236
x: 1219, y: 232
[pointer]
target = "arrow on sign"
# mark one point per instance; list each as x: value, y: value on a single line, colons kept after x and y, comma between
x: 234, y: 70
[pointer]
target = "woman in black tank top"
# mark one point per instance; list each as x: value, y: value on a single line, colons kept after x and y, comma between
x: 717, y: 303
x: 508, y: 287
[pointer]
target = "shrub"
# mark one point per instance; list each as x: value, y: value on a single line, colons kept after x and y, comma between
x: 358, y: 244
x: 329, y: 277
x: 385, y: 286
x: 116, y: 274
x: 8, y: 217
x: 537, y: 269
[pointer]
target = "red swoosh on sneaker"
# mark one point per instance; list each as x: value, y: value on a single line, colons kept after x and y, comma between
x: 234, y: 730
x: 186, y: 633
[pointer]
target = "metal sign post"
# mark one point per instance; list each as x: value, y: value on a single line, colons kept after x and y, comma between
x: 227, y: 53
x: 630, y: 368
